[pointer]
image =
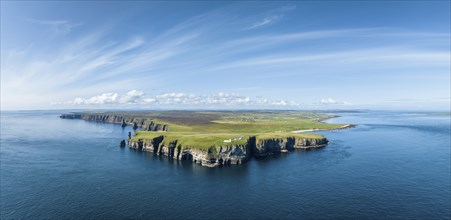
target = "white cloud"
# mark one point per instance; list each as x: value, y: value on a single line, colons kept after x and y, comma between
x: 82, y: 64
x: 133, y: 96
x: 328, y: 101
x: 105, y: 98
x: 59, y: 26
x: 331, y: 101
x: 174, y: 99
x: 382, y: 55
x: 273, y: 16
x: 90, y: 61
x: 267, y: 20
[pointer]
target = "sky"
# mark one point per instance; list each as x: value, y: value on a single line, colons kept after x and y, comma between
x: 225, y: 55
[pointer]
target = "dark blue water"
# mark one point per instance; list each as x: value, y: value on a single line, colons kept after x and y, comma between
x: 392, y: 166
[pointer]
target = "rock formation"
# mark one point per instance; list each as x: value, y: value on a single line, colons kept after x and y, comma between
x: 135, y: 126
x: 227, y: 154
x: 138, y: 123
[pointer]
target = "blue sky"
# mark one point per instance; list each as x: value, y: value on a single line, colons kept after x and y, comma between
x: 226, y: 55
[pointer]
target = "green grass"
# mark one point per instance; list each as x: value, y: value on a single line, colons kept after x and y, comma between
x: 205, y: 141
x: 203, y: 130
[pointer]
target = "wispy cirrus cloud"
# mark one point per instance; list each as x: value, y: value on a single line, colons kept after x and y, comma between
x: 267, y: 21
x: 94, y: 63
x: 272, y: 16
x: 58, y: 26
x: 211, y: 52
x: 381, y: 55
x: 89, y: 62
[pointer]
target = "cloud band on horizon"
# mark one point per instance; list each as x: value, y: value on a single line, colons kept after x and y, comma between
x: 135, y: 97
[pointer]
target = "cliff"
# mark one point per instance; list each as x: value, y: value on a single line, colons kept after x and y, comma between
x: 226, y: 154
x: 267, y: 147
x: 144, y: 124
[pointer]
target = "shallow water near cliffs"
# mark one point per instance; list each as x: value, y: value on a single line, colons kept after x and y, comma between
x: 392, y: 165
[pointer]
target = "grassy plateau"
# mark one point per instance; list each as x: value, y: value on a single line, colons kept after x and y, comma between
x: 204, y: 129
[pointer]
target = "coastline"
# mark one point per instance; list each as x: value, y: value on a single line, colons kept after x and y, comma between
x: 346, y: 126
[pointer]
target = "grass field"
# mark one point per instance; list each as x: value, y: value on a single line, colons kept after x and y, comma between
x: 203, y: 130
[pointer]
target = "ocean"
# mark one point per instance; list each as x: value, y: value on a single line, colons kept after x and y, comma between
x: 393, y: 165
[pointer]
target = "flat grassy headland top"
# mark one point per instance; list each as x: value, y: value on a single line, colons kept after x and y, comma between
x: 204, y: 129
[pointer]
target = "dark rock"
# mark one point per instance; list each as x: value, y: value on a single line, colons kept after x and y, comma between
x: 135, y: 126
x: 140, y: 144
x: 150, y: 126
x: 71, y: 116
x: 157, y: 127
x: 179, y: 149
x: 165, y: 127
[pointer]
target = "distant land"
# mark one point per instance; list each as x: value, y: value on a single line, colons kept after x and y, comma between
x: 217, y: 138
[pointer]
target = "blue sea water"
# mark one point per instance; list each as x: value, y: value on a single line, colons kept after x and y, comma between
x: 393, y: 165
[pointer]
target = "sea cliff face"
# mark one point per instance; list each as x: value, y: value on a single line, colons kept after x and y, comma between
x: 137, y: 122
x: 227, y: 154
x: 267, y: 147
x: 214, y: 156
